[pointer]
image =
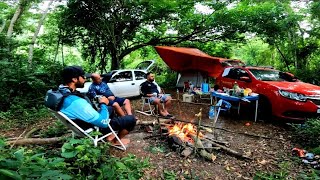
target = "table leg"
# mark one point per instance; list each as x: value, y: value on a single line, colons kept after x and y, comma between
x: 255, y: 117
x: 239, y: 108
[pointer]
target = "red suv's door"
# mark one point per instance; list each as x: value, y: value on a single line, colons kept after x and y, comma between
x: 232, y: 75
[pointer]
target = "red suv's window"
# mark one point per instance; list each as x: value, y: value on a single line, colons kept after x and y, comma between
x: 236, y: 73
x: 266, y: 75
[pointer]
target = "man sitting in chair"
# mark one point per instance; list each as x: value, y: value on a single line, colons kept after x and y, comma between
x: 101, y: 88
x: 150, y: 89
x: 79, y: 109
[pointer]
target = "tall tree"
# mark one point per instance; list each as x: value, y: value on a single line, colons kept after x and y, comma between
x: 114, y: 28
x: 22, y: 5
x: 35, y: 35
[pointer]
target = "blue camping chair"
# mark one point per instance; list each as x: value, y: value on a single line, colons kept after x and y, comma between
x: 221, y: 105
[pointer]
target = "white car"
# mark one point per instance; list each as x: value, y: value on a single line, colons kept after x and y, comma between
x: 124, y: 82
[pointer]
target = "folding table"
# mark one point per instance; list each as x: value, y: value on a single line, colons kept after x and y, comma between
x: 227, y: 97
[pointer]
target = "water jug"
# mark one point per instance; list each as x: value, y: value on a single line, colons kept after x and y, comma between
x: 205, y: 87
x: 211, y: 112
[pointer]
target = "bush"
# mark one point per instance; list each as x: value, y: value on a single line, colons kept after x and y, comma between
x: 28, y: 164
x: 308, y: 134
x: 95, y: 163
x: 167, y: 79
x: 23, y: 88
x: 79, y: 160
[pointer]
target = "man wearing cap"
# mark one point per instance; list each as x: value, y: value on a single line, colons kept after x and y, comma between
x: 81, y: 111
x: 101, y: 88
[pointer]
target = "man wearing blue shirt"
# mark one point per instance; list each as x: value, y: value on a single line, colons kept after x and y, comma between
x: 101, y: 88
x: 80, y: 110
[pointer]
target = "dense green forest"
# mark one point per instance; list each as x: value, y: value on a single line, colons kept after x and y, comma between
x: 39, y: 38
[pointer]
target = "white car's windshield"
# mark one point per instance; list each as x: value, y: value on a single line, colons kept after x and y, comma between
x: 266, y: 74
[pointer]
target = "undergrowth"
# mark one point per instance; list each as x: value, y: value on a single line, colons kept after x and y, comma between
x: 78, y: 159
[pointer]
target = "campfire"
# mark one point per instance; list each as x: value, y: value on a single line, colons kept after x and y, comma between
x: 184, y: 131
x: 185, y: 137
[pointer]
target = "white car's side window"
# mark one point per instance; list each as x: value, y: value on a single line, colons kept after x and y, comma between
x: 139, y: 75
x: 123, y: 76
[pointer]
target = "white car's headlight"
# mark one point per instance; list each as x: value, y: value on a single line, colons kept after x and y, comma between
x: 292, y: 95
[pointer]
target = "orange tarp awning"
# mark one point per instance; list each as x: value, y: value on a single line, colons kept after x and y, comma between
x: 187, y: 59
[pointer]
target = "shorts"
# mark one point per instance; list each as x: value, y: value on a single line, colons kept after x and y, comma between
x: 162, y: 98
x: 117, y: 123
x: 119, y: 100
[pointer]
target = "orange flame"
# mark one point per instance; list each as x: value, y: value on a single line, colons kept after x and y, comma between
x: 184, y: 131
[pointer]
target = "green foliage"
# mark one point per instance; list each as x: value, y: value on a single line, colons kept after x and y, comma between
x: 309, y: 75
x: 282, y: 173
x: 56, y: 130
x: 125, y: 168
x: 27, y: 164
x: 310, y: 175
x: 255, y: 52
x: 87, y: 161
x: 85, y: 157
x: 308, y: 134
x: 23, y: 88
x: 315, y: 150
x: 170, y: 175
x: 167, y: 79
x: 79, y: 160
x: 157, y: 149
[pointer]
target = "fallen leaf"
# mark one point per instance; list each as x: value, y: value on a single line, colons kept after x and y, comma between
x: 227, y: 168
x: 263, y: 162
x: 213, y: 157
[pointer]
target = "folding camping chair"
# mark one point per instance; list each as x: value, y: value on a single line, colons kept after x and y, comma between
x: 77, y: 130
x: 152, y: 109
x: 221, y: 105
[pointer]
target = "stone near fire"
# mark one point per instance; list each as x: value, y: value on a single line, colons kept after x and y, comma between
x: 186, y: 152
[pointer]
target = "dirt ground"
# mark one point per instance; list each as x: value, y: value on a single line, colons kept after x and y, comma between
x: 266, y: 153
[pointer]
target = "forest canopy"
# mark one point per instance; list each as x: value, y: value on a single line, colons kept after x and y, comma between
x: 39, y: 37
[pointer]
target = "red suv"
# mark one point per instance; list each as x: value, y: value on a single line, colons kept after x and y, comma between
x: 281, y: 93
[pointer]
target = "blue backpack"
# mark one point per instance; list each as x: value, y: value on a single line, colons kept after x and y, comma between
x: 54, y: 99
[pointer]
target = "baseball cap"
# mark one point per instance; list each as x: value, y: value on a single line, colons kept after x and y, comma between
x: 70, y: 72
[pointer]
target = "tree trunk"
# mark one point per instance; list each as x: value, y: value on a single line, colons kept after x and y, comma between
x: 57, y: 47
x: 15, y: 17
x: 3, y: 26
x: 114, y: 60
x: 33, y: 41
x: 29, y: 141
